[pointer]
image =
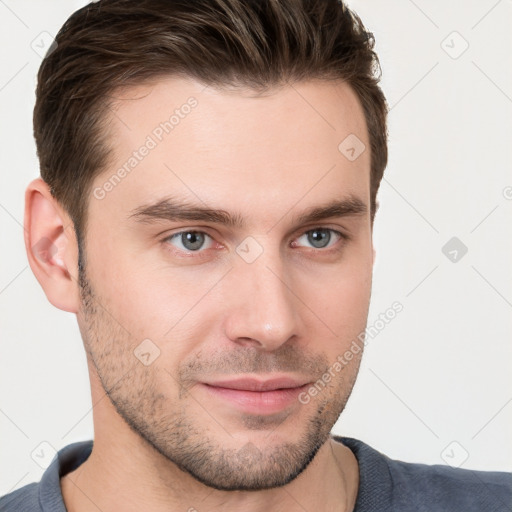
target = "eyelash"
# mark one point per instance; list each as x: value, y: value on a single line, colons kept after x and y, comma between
x: 335, y: 247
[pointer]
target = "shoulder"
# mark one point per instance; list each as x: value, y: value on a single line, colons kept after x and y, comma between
x: 396, y: 485
x: 449, y: 488
x: 46, y: 495
x: 24, y: 499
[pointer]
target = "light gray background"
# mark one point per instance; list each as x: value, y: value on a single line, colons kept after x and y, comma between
x: 435, y: 383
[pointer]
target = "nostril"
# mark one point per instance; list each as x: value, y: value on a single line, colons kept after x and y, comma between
x: 248, y: 342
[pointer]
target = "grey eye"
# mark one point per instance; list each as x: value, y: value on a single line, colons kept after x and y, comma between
x: 190, y: 240
x: 319, y: 238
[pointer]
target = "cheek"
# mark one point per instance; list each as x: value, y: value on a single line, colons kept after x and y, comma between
x: 344, y: 309
x: 348, y: 299
x: 154, y: 302
x: 340, y: 295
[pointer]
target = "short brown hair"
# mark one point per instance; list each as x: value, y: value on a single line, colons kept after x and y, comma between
x: 248, y: 43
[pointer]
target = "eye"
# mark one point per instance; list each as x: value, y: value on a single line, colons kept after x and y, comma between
x: 190, y: 240
x: 318, y: 238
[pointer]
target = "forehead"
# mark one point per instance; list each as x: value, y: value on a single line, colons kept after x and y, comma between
x: 179, y: 137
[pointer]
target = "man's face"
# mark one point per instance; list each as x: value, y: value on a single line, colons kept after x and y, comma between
x: 226, y: 269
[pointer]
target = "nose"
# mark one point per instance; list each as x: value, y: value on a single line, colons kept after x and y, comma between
x: 263, y: 307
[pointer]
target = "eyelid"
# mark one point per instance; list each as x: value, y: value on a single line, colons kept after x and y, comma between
x: 337, y: 233
x: 188, y: 252
x: 167, y: 233
x: 203, y: 230
x: 338, y: 230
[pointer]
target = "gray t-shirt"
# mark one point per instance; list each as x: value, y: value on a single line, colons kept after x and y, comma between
x: 385, y: 485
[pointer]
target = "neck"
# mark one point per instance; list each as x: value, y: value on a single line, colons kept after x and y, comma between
x: 118, y: 478
x: 124, y: 473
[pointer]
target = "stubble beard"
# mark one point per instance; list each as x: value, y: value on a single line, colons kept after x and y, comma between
x: 165, y: 425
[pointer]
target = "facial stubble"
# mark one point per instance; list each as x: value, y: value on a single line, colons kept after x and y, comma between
x: 166, y: 425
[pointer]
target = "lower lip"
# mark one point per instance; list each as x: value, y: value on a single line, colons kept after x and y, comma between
x: 257, y: 402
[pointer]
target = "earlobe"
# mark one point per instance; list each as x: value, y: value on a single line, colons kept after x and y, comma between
x: 51, y: 246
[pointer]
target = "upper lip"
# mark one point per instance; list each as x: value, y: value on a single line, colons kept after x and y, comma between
x: 254, y: 384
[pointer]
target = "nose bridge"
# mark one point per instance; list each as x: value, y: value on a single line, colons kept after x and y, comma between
x: 263, y: 312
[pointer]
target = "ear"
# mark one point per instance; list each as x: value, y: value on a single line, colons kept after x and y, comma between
x: 51, y: 246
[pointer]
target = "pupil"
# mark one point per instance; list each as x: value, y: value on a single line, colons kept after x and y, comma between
x: 319, y: 238
x: 192, y: 240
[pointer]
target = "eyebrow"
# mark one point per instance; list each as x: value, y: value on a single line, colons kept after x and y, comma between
x: 350, y: 206
x: 170, y: 209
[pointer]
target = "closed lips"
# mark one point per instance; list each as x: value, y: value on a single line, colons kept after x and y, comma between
x: 258, y: 385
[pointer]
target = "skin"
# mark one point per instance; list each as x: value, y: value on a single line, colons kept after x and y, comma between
x: 162, y: 440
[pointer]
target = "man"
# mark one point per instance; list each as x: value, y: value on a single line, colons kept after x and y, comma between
x: 209, y: 179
